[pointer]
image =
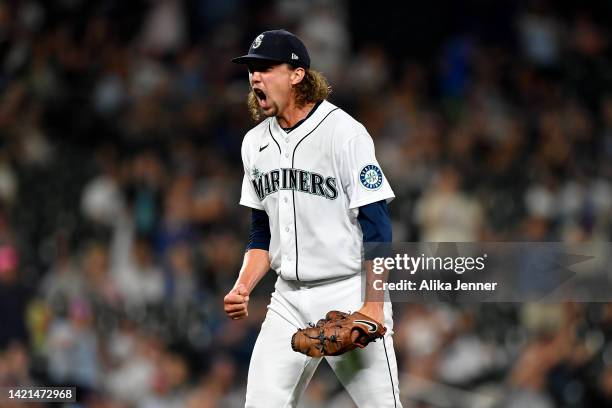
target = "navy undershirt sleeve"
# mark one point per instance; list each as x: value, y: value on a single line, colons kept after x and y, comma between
x: 375, y: 222
x: 260, y: 231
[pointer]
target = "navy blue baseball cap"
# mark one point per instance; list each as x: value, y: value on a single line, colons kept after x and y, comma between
x: 279, y: 46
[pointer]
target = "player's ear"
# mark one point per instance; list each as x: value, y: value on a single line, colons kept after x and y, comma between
x: 297, y: 75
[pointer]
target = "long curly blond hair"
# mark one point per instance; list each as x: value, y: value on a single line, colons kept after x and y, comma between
x: 312, y: 88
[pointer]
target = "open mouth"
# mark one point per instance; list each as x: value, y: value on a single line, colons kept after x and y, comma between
x: 259, y: 94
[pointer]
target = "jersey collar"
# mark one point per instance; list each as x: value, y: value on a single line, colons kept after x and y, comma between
x: 313, y: 110
x: 306, y: 125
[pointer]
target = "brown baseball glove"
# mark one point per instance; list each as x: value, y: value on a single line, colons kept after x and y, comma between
x: 336, y: 334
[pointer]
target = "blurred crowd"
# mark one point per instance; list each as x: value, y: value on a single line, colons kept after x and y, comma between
x: 120, y: 232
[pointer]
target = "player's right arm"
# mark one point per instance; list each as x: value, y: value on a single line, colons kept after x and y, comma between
x: 256, y: 259
x: 255, y: 265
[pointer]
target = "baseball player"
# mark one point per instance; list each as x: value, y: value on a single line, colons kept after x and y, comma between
x: 317, y: 193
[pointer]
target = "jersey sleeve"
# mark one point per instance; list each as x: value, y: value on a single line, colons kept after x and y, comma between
x: 361, y: 176
x: 248, y: 197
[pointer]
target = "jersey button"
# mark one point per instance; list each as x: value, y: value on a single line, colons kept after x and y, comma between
x: 286, y: 154
x: 287, y: 140
x: 287, y: 229
x: 286, y: 199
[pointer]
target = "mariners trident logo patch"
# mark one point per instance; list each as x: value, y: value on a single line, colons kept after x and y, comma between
x: 371, y: 177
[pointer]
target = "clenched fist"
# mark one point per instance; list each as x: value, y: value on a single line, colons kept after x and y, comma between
x: 236, y: 302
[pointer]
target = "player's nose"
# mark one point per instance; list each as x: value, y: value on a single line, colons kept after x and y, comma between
x: 255, y: 76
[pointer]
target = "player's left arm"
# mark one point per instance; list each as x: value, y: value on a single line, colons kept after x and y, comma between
x: 368, y: 191
x: 376, y: 228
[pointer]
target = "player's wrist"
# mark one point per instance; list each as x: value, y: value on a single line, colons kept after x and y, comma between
x: 374, y: 310
x: 242, y: 288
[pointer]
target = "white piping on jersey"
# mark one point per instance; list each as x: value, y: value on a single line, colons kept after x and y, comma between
x: 297, y: 275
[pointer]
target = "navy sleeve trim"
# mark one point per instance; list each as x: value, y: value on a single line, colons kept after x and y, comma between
x: 375, y: 222
x: 260, y: 231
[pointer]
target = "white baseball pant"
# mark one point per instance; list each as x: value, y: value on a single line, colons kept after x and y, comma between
x: 278, y: 376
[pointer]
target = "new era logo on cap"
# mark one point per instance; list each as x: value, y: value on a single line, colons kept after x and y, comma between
x: 277, y: 45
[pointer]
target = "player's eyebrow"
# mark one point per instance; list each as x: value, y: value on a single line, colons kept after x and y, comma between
x: 260, y: 66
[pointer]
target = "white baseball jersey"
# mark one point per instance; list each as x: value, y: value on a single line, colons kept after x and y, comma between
x: 311, y: 182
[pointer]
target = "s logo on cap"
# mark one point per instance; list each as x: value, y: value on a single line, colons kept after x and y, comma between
x: 257, y: 41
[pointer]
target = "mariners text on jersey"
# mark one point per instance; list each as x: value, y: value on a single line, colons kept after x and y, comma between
x: 293, y: 179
